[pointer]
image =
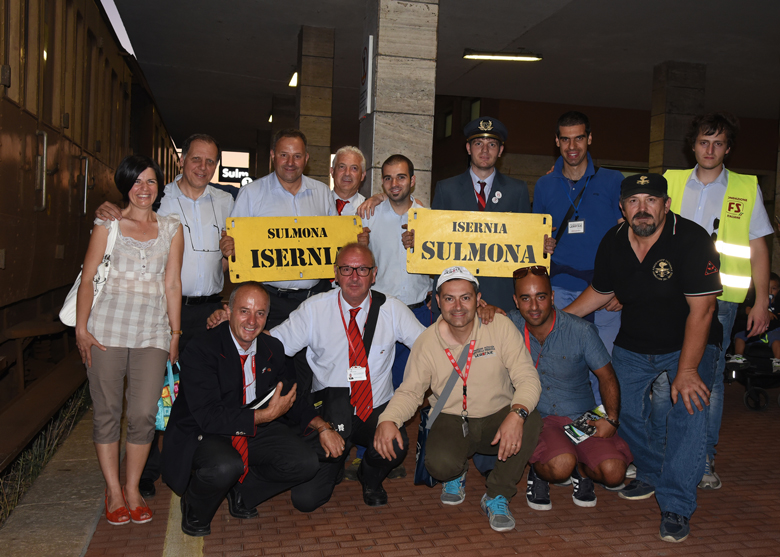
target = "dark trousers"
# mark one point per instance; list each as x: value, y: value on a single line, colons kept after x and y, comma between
x: 279, y: 460
x: 373, y: 469
x: 193, y: 322
x: 447, y: 451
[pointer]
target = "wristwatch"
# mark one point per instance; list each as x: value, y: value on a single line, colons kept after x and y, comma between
x: 522, y: 412
x: 613, y: 423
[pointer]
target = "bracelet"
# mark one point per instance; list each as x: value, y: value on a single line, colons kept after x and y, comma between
x: 613, y: 423
x: 325, y: 427
x: 175, y: 332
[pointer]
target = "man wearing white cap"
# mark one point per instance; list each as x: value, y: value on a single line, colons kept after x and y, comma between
x: 494, y: 413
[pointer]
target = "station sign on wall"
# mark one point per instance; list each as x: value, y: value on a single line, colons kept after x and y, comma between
x: 288, y: 248
x: 233, y: 174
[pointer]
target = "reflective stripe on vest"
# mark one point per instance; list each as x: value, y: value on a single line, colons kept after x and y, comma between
x: 733, y: 231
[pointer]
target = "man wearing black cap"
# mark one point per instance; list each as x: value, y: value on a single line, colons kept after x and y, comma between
x: 483, y: 188
x: 664, y: 269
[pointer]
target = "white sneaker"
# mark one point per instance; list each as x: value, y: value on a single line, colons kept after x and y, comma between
x: 710, y: 479
x: 737, y: 362
x: 775, y: 365
x: 631, y: 471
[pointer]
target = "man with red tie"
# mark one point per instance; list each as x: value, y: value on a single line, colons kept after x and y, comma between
x: 350, y: 333
x: 215, y: 447
x: 348, y: 171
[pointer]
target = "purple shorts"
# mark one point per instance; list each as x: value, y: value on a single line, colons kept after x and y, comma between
x: 591, y: 452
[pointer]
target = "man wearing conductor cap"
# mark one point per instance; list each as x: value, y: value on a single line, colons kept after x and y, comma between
x: 664, y: 269
x: 483, y: 188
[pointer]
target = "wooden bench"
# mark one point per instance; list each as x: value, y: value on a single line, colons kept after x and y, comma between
x: 24, y: 333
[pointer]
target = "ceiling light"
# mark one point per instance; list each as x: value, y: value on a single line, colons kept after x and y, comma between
x: 469, y: 54
x: 294, y: 80
x: 270, y: 118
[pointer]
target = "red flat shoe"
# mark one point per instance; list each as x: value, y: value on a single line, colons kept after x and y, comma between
x: 118, y: 517
x: 140, y: 515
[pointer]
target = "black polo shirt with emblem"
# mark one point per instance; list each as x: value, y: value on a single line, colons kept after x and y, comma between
x: 682, y: 262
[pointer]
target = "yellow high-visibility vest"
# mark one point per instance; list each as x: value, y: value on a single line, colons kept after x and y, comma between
x: 733, y: 242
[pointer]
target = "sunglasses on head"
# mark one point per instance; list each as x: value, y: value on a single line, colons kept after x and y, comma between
x: 538, y: 270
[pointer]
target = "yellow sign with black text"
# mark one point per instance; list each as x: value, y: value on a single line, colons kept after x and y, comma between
x: 288, y: 248
x: 488, y: 244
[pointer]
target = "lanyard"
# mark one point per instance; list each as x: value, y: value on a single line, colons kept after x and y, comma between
x: 344, y: 322
x: 528, y: 341
x: 581, y: 196
x: 465, y: 373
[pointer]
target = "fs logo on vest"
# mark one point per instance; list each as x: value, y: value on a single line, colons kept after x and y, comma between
x: 735, y: 208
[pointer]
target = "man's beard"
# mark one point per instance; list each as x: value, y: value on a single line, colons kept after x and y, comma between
x: 644, y: 230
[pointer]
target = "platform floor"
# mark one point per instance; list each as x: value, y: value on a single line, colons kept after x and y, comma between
x: 741, y: 519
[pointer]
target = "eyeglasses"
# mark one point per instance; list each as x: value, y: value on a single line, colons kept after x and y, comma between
x: 538, y: 270
x: 346, y: 271
x: 189, y: 230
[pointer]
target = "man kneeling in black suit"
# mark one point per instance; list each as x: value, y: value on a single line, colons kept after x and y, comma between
x: 215, y: 447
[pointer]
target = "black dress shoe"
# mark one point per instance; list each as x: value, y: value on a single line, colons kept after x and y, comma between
x: 372, y: 496
x: 236, y: 506
x: 192, y: 525
x: 146, y: 487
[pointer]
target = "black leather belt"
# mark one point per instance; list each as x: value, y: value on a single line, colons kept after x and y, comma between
x: 198, y: 300
x: 298, y: 294
x: 415, y: 306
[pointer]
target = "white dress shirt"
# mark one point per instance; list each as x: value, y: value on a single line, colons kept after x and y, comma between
x: 488, y: 183
x: 203, y: 221
x: 250, y: 379
x: 390, y: 254
x: 702, y: 203
x: 317, y: 325
x: 267, y: 198
x: 350, y: 208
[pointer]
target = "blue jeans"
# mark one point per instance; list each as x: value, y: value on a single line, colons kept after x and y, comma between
x: 425, y: 317
x: 676, y: 468
x: 727, y: 313
x: 607, y: 322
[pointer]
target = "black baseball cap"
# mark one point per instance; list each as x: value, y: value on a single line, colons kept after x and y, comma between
x: 650, y: 183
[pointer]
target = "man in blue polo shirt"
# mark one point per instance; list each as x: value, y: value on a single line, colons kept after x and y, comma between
x: 565, y: 349
x: 590, y: 197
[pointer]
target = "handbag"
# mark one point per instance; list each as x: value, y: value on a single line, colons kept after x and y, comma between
x: 169, y: 391
x: 68, y: 311
x: 427, y: 417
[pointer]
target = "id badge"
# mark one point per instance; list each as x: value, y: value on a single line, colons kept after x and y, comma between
x: 465, y: 425
x: 577, y: 227
x: 356, y: 373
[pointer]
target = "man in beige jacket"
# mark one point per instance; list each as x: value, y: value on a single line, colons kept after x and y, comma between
x: 491, y: 409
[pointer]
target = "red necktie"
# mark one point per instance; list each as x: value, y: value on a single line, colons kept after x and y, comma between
x: 239, y: 441
x: 361, y: 398
x: 481, y: 196
x: 340, y: 205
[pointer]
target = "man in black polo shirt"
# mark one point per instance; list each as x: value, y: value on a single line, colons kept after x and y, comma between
x: 664, y: 269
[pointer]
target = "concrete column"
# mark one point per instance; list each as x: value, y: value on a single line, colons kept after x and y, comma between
x: 678, y: 95
x: 315, y: 96
x: 404, y: 88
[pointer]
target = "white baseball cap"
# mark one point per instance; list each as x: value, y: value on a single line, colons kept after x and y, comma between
x: 453, y: 273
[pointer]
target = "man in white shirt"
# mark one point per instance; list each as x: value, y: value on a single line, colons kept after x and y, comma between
x: 353, y: 387
x: 388, y: 240
x: 348, y: 171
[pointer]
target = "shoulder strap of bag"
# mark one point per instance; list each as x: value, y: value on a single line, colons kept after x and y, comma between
x: 377, y: 299
x: 570, y: 212
x: 445, y: 393
x: 112, y: 234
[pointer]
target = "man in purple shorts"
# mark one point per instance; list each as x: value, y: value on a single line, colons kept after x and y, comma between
x: 565, y: 349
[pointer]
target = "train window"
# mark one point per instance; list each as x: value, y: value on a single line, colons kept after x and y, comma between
x: 13, y: 47
x: 30, y: 55
x: 49, y: 60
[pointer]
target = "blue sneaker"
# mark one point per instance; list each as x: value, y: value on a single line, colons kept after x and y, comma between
x: 637, y: 490
x: 453, y: 492
x: 497, y: 510
x: 674, y: 527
